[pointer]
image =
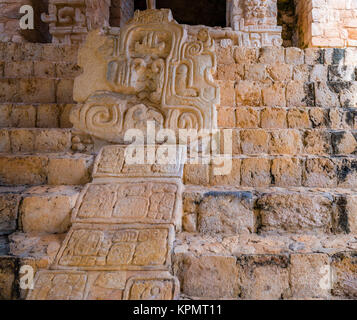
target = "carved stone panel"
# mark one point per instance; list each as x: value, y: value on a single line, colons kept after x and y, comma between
x: 116, y: 247
x: 159, y: 161
x: 149, y: 70
x: 114, y: 285
x: 128, y: 202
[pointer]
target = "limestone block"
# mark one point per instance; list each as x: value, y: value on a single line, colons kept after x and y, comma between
x: 294, y: 212
x: 320, y: 172
x: 294, y: 56
x: 341, y: 73
x: 280, y: 72
x: 326, y: 95
x: 272, y: 55
x: 117, y: 285
x: 29, y: 170
x: 19, y: 69
x: 52, y: 140
x: 197, y: 174
x: 298, y: 119
x: 345, y: 215
x: 207, y: 276
x: 8, y: 90
x: 226, y: 213
x: 64, y: 91
x: 227, y: 92
x: 319, y: 72
x: 22, y: 140
x: 69, y: 170
x: 274, y: 118
x: 300, y: 94
x: 307, y: 273
x: 36, y: 90
x: 48, y: 210
x: 23, y: 116
x: 285, y: 142
x: 232, y: 72
x: 256, y: 172
x: 344, y: 142
x: 287, y: 172
x: 67, y: 70
x: 7, y: 278
x: 248, y: 93
x: 247, y: 118
x: 274, y: 95
x: 116, y: 247
x: 130, y: 202
x: 346, y: 172
x: 345, y: 272
x: 256, y: 72
x: 226, y: 117
x: 5, y: 112
x: 9, y: 205
x: 246, y: 55
x: 47, y: 116
x: 317, y: 142
x: 254, y: 141
x: 314, y: 56
x: 5, y: 145
x: 232, y: 178
x: 302, y: 72
x: 263, y: 277
x: 319, y: 117
x: 44, y: 69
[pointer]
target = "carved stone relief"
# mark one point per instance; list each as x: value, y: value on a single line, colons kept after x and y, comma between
x: 150, y: 70
x: 115, y: 285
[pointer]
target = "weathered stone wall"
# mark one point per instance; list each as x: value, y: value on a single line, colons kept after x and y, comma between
x: 283, y: 218
x: 327, y: 23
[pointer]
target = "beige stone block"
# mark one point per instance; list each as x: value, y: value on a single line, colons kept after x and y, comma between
x: 255, y: 172
x: 29, y: 170
x: 227, y: 92
x: 307, y: 275
x: 326, y: 96
x: 298, y: 119
x: 224, y: 55
x: 301, y: 72
x: 287, y: 172
x: 197, y: 174
x: 67, y: 70
x: 44, y: 69
x: 314, y: 56
x: 319, y: 117
x: 47, y: 116
x: 246, y: 55
x: 22, y: 140
x: 48, y: 210
x: 37, y: 90
x: 189, y: 222
x: 7, y: 278
x: 9, y: 205
x: 254, y: 141
x: 317, y: 142
x: 295, y: 212
x: 19, y: 69
x: 346, y: 172
x: 207, y: 276
x: 64, y: 117
x: 23, y: 116
x: 231, y: 179
x: 299, y: 94
x: 8, y: 90
x: 60, y: 53
x: 344, y: 266
x: 285, y: 142
x: 273, y: 118
x: 319, y: 73
x: 5, y: 112
x: 64, y: 93
x: 232, y: 72
x: 263, y: 277
x: 280, y: 72
x: 248, y: 93
x: 226, y: 213
x: 294, y: 56
x: 320, y: 172
x: 53, y: 140
x: 272, y: 55
x: 256, y: 72
x: 70, y: 170
x: 5, y: 145
x: 226, y: 117
x: 248, y: 118
x: 274, y: 95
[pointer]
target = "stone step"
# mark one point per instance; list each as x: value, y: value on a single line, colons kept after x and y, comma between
x: 276, y: 171
x: 35, y: 115
x: 226, y: 212
x: 40, y: 169
x: 35, y: 140
x: 255, y: 267
x: 37, y: 209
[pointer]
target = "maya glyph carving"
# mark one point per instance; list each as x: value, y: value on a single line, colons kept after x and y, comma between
x: 149, y: 70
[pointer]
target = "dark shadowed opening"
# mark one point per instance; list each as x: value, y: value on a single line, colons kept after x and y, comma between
x: 193, y: 12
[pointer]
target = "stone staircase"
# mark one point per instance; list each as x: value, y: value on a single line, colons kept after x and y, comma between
x: 282, y: 225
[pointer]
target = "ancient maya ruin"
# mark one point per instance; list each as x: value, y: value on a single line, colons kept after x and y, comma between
x: 273, y: 90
